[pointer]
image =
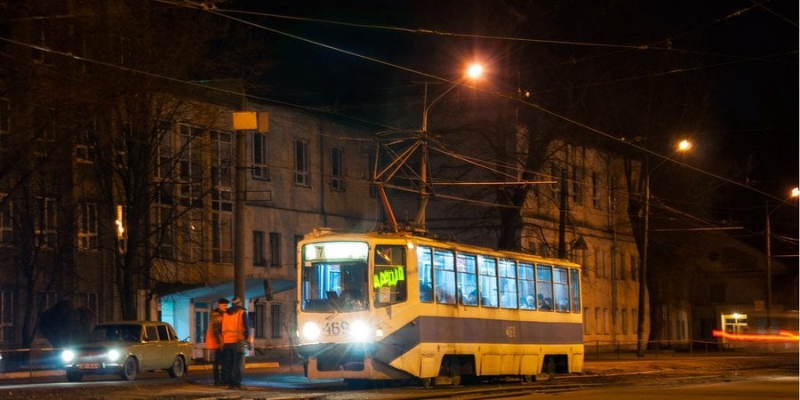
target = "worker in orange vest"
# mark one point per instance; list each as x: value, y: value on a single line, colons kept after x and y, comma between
x: 235, y: 336
x: 214, y: 340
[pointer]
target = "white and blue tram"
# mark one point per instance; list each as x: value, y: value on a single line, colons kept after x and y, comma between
x: 378, y: 306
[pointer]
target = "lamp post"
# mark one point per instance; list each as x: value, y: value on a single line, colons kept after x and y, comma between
x: 473, y: 72
x: 768, y: 234
x: 641, y: 343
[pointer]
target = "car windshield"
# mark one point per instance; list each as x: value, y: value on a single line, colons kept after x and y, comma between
x: 116, y: 333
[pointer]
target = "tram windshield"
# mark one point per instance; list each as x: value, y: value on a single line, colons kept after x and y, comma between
x: 335, y: 277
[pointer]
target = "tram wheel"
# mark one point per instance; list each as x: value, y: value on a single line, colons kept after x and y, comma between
x: 426, y: 382
x: 526, y: 379
x: 455, y: 380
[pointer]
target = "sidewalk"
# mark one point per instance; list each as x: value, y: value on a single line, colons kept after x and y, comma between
x: 200, y: 366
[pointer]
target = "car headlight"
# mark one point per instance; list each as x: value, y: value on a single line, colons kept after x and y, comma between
x: 359, y: 331
x: 311, y: 331
x: 113, y: 355
x: 67, y: 356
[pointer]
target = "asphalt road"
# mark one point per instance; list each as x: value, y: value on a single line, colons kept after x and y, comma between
x: 772, y: 376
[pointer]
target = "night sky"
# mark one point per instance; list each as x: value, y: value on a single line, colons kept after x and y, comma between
x: 723, y: 72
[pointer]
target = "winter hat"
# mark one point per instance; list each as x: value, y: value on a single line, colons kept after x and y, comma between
x: 236, y: 301
x: 223, y: 300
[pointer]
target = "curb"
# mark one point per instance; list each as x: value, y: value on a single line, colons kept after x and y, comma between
x: 60, y: 372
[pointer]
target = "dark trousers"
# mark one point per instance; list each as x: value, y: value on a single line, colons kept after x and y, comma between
x: 233, y: 353
x: 218, y: 367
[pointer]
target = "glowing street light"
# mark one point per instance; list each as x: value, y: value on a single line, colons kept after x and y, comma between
x: 683, y: 145
x: 475, y: 71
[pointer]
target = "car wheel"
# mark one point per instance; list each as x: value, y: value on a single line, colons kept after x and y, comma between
x: 74, y: 376
x: 128, y: 372
x: 178, y: 367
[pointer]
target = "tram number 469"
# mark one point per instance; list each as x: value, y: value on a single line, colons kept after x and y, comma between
x: 336, y: 328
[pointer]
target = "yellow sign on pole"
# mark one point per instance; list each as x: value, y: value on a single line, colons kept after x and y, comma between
x: 245, y: 120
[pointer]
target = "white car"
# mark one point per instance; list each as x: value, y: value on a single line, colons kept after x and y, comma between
x: 127, y: 347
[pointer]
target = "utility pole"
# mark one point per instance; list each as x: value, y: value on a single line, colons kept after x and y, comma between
x: 768, y: 232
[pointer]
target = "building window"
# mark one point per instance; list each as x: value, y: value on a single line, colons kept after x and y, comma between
x: 577, y: 185
x: 274, y: 249
x: 555, y: 172
x: 596, y: 190
x: 612, y: 195
x: 91, y: 303
x: 301, y: 168
x: 45, y: 222
x: 87, y: 227
x: 624, y: 321
x: 276, y: 321
x: 6, y: 316
x: 221, y: 237
x: 221, y: 171
x: 5, y: 121
x: 43, y: 31
x: 84, y: 147
x: 337, y: 169
x: 45, y: 128
x: 191, y: 166
x: 260, y: 168
x: 259, y: 320
x: 6, y: 225
x: 48, y: 299
x: 258, y: 248
x: 163, y: 224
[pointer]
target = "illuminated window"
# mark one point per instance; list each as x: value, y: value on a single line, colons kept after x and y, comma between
x: 508, y: 283
x: 466, y: 265
x: 487, y: 269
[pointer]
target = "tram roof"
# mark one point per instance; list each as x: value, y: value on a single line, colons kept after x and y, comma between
x: 404, y: 236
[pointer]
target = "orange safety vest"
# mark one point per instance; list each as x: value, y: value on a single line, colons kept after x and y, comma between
x: 232, y: 327
x: 214, y: 330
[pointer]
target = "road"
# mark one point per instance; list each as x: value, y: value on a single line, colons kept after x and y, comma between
x: 773, y: 376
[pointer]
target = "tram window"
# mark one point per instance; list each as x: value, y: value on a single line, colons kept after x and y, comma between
x: 544, y: 288
x: 575, y: 290
x: 508, y: 283
x: 488, y: 281
x: 424, y: 263
x: 561, y: 287
x: 527, y: 287
x: 444, y: 276
x: 389, y: 279
x: 467, y: 279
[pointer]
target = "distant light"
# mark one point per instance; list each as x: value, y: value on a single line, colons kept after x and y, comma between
x: 475, y: 71
x: 684, y: 145
x: 795, y: 192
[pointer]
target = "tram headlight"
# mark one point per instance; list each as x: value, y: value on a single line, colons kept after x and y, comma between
x: 311, y: 331
x: 359, y: 331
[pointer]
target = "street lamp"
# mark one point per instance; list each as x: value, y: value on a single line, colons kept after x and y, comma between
x: 683, y: 145
x: 768, y: 234
x: 474, y: 71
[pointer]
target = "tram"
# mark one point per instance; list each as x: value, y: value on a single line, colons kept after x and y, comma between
x: 387, y: 306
